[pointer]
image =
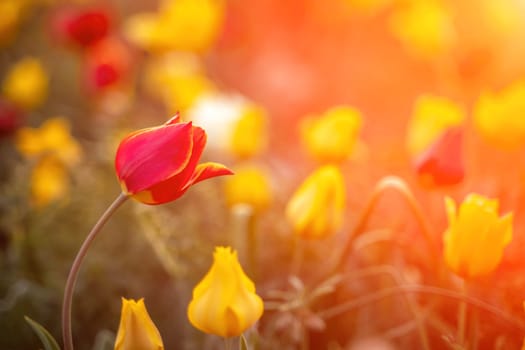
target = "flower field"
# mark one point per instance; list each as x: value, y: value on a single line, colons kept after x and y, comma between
x: 223, y: 174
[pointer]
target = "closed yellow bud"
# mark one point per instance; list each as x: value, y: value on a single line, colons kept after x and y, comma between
x: 224, y: 303
x: 431, y: 116
x: 316, y: 208
x: 136, y: 330
x: 333, y: 136
x: 26, y: 83
x: 250, y: 186
x: 476, y: 236
x: 498, y: 117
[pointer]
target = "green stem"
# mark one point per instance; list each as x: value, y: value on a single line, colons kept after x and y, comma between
x: 73, y: 273
x: 400, y: 186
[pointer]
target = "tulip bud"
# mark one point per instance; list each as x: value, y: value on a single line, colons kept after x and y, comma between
x: 476, y: 236
x: 224, y: 303
x: 158, y: 165
x: 316, y: 208
x: 136, y: 330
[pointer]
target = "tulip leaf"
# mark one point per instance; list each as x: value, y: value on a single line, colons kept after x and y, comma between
x: 243, y: 345
x: 45, y: 337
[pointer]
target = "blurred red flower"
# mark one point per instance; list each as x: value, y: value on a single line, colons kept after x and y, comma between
x: 157, y: 165
x: 442, y: 164
x: 107, y: 63
x: 11, y: 118
x: 80, y: 27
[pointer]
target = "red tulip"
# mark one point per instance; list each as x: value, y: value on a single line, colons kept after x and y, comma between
x: 442, y: 163
x: 107, y: 63
x: 157, y: 165
x: 81, y: 27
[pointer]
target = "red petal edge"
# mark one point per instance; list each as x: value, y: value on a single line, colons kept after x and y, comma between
x: 208, y: 170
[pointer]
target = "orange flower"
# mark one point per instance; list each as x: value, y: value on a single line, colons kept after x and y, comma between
x: 157, y: 165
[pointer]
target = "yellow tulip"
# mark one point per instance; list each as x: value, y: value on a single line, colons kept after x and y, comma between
x: 249, y: 137
x: 186, y: 25
x: 224, y: 302
x: 476, y: 236
x: 431, y: 116
x: 333, y: 136
x: 316, y: 208
x: 250, y: 186
x: 498, y: 116
x: 49, y: 181
x: 53, y: 137
x: 136, y: 330
x: 424, y: 27
x: 26, y: 83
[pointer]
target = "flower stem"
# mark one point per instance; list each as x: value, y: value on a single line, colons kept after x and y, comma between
x: 399, y: 185
x: 67, y: 336
x: 462, y: 316
x: 228, y: 343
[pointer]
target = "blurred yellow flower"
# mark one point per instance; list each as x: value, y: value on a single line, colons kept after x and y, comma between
x: 249, y: 185
x: 26, y: 83
x: 249, y: 134
x: 498, y: 117
x: 49, y: 181
x: 224, y: 302
x: 187, y: 25
x: 178, y: 79
x: 332, y: 136
x: 424, y: 27
x: 431, y: 116
x: 233, y: 123
x: 53, y: 137
x: 317, y: 206
x: 11, y: 12
x: 136, y: 330
x: 476, y: 236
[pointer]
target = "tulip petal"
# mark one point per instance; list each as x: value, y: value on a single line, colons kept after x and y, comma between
x: 136, y: 329
x: 208, y: 170
x: 175, y: 186
x: 172, y: 145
